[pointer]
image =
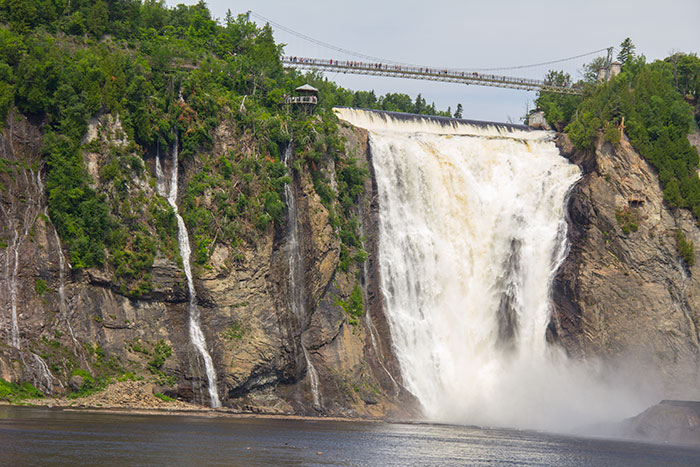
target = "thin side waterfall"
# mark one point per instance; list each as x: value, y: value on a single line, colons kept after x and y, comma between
x: 20, y: 223
x: 472, y: 230
x: 12, y: 281
x: 45, y: 382
x: 196, y: 335
x: 160, y: 176
x: 63, y: 308
x: 296, y: 273
x: 63, y: 303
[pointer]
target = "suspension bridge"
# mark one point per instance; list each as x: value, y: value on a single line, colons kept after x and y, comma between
x: 368, y: 65
x: 431, y: 74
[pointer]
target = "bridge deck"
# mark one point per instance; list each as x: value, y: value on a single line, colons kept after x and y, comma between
x: 425, y: 73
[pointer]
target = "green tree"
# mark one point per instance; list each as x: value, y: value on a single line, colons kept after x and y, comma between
x: 590, y: 70
x: 558, y: 108
x: 97, y: 18
x: 419, y: 106
x: 458, y: 112
x: 626, y: 52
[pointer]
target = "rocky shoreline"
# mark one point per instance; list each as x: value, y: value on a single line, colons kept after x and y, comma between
x: 138, y: 398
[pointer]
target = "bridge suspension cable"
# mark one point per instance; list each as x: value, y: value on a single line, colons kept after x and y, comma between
x: 533, y: 65
x: 384, y: 60
x: 323, y: 44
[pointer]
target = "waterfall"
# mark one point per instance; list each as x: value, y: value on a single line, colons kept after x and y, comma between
x: 63, y: 303
x: 19, y: 221
x: 160, y: 176
x: 296, y: 273
x: 472, y: 231
x: 46, y: 379
x: 12, y: 281
x: 64, y: 309
x: 196, y: 334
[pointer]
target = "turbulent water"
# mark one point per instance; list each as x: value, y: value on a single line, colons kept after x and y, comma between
x: 472, y: 231
x: 196, y: 335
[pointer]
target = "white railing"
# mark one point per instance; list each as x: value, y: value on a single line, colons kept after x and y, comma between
x: 301, y: 100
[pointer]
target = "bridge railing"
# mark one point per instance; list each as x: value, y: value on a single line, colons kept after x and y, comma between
x: 439, y: 74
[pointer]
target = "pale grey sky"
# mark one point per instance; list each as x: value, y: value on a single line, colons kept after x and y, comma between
x: 474, y: 34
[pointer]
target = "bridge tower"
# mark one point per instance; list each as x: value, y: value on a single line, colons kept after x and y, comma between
x: 610, y: 69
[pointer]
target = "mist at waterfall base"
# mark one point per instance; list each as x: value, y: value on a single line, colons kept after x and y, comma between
x: 472, y: 231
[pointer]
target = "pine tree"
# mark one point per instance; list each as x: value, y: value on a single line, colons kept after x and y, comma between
x: 458, y: 112
x: 626, y: 51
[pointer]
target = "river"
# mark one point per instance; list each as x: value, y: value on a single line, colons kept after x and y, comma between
x: 40, y: 436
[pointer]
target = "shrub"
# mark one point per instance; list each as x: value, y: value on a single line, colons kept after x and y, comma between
x: 235, y: 332
x: 163, y: 397
x: 14, y: 392
x: 353, y: 306
x: 627, y: 219
x: 160, y: 353
x: 41, y: 287
x: 90, y: 384
x: 612, y: 135
x: 686, y: 248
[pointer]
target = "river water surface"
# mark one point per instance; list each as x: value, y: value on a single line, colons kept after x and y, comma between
x: 39, y: 436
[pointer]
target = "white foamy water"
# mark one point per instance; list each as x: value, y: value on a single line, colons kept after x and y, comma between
x: 196, y: 334
x: 472, y: 231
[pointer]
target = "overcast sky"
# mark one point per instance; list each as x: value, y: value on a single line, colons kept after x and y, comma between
x: 474, y: 34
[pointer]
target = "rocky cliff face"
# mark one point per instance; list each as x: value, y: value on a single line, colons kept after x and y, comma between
x: 624, y: 293
x: 56, y: 319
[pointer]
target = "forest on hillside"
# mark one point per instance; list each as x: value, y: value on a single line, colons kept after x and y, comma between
x: 655, y: 104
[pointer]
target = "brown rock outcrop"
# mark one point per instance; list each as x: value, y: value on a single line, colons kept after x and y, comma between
x: 623, y: 293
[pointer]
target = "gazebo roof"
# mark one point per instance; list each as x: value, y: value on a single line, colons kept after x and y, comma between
x: 306, y: 88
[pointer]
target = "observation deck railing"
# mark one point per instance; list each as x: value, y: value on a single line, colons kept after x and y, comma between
x: 313, y: 100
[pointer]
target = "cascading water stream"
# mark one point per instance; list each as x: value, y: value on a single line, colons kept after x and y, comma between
x: 196, y: 334
x: 19, y: 221
x: 12, y: 281
x: 296, y: 274
x: 472, y: 232
x: 45, y: 383
x: 64, y: 309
